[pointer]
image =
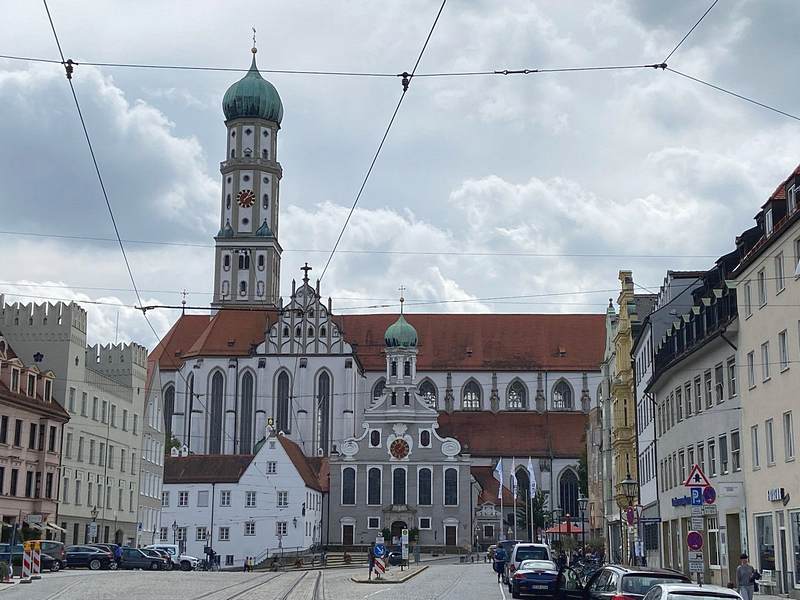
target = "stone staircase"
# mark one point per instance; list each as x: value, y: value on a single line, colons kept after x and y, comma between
x: 336, y: 559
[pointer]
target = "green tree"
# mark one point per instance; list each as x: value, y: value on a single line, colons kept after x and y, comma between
x: 523, y: 513
x: 583, y: 473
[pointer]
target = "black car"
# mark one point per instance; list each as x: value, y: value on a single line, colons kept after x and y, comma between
x: 88, y: 556
x: 134, y: 558
x: 156, y: 553
x: 49, y: 563
x: 394, y: 558
x: 617, y: 582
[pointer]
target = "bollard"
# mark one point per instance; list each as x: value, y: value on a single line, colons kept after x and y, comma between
x: 25, y: 576
x: 36, y: 562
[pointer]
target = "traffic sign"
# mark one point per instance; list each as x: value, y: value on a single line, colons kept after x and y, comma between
x: 379, y: 550
x: 696, y: 477
x: 697, y: 511
x: 697, y: 496
x: 696, y: 562
x: 694, y: 539
x: 697, y: 523
x: 92, y: 530
x: 710, y: 495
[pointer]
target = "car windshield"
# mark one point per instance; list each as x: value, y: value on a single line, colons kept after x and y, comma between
x: 641, y: 583
x: 538, y: 565
x: 531, y: 554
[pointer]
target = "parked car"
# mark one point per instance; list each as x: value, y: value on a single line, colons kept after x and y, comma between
x: 160, y: 554
x: 620, y: 581
x: 52, y: 548
x: 535, y: 578
x: 134, y: 558
x: 690, y: 591
x: 88, y: 556
x: 185, y: 562
x: 50, y: 563
x: 524, y: 551
x: 13, y: 555
x: 394, y: 558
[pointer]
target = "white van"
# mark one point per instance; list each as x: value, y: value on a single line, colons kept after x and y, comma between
x: 181, y: 561
x: 525, y: 551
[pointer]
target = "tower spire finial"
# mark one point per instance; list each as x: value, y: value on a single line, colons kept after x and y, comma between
x: 305, y: 270
x: 254, y: 49
x: 183, y: 301
x: 401, y: 289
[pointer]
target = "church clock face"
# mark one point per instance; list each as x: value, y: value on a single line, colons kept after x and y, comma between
x: 246, y: 198
x: 399, y: 448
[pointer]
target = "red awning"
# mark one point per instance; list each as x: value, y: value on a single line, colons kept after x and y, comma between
x: 562, y: 528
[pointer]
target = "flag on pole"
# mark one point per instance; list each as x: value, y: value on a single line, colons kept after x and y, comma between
x: 498, y: 474
x: 532, y: 477
x: 514, y: 477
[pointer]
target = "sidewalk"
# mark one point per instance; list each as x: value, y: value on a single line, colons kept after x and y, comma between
x: 393, y: 575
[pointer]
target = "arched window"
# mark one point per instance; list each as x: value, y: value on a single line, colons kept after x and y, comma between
x: 348, y: 485
x: 399, y: 486
x: 374, y: 438
x: 246, y: 417
x: 283, y: 408
x: 407, y: 368
x: 310, y: 332
x: 517, y: 396
x: 471, y: 396
x: 568, y: 492
x: 424, y: 438
x: 261, y: 262
x: 323, y: 410
x: 298, y: 332
x: 428, y: 391
x: 242, y: 288
x: 394, y: 368
x: 226, y: 262
x: 377, y: 389
x: 424, y: 487
x: 451, y: 487
x: 169, y: 410
x: 562, y: 396
x: 189, y: 405
x: 323, y: 332
x: 285, y: 331
x: 374, y: 486
x: 215, y: 428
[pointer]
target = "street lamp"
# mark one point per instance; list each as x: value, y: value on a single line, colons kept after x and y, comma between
x: 630, y: 489
x: 94, y: 514
x: 174, y: 532
x: 583, y: 502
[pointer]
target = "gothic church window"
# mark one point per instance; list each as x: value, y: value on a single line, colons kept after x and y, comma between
x: 568, y: 492
x: 215, y: 429
x: 349, y: 486
x: 428, y: 391
x: 246, y: 406
x: 323, y: 409
x: 471, y: 398
x: 424, y: 487
x: 298, y: 332
x: 399, y: 486
x: 285, y: 331
x: 282, y: 408
x: 169, y: 410
x: 517, y: 396
x: 451, y: 487
x: 374, y: 486
x: 310, y: 332
x: 323, y: 332
x: 562, y: 396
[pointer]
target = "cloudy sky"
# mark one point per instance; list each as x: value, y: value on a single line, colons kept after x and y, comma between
x: 479, y: 178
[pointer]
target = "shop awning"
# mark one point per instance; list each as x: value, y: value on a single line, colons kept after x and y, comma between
x: 55, y: 527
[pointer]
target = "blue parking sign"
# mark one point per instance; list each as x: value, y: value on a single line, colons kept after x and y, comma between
x: 697, y: 496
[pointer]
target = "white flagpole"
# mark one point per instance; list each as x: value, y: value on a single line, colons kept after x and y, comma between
x: 531, y: 493
x: 500, y: 483
x: 498, y: 474
x: 514, y: 492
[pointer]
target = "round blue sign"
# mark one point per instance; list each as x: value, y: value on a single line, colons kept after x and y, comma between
x: 709, y: 495
x: 379, y: 550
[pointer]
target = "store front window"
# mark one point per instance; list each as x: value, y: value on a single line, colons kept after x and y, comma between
x: 765, y: 537
x: 713, y: 542
x: 794, y: 524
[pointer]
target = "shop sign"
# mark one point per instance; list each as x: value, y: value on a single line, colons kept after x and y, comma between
x: 682, y: 501
x: 775, y: 494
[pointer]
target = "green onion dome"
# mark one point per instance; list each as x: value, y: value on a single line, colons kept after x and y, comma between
x: 253, y: 97
x: 400, y: 334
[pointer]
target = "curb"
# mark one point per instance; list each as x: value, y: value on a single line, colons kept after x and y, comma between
x: 386, y: 581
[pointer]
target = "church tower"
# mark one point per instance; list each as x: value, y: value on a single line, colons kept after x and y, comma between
x: 247, y: 253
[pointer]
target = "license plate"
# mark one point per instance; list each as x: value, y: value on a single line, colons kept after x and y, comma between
x: 538, y: 587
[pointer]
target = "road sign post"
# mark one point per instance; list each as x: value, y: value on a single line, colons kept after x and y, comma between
x: 696, y: 478
x: 694, y: 540
x: 404, y: 548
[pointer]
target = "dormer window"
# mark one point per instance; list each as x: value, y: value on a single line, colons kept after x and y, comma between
x: 48, y: 390
x: 791, y: 199
x: 32, y: 386
x: 15, y: 380
x: 768, y: 222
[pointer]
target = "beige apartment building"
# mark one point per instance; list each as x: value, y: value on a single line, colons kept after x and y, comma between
x: 768, y: 292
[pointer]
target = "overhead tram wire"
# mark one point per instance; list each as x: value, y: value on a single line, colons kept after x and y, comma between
x: 406, y: 80
x: 688, y: 33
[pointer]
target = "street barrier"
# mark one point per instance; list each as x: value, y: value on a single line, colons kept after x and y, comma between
x: 25, y: 576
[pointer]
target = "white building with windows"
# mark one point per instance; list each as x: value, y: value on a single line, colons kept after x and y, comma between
x: 768, y: 288
x: 259, y: 505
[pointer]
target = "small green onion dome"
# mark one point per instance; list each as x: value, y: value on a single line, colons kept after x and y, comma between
x: 400, y: 334
x: 264, y: 230
x: 253, y: 97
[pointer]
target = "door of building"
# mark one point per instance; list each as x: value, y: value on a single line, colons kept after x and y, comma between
x: 397, y: 529
x: 450, y: 535
x: 347, y: 535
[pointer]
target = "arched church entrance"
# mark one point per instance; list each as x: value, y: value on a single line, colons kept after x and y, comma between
x: 397, y: 529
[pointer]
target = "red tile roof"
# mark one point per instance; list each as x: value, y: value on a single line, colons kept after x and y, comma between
x: 485, y: 478
x: 478, y: 342
x: 301, y: 463
x: 206, y: 468
x: 512, y: 433
x: 448, y: 342
x: 322, y: 467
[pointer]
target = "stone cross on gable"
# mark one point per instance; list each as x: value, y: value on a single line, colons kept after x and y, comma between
x: 305, y: 270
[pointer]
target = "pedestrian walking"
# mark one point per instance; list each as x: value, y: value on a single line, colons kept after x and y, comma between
x: 499, y: 562
x: 371, y: 559
x: 118, y: 555
x: 745, y: 578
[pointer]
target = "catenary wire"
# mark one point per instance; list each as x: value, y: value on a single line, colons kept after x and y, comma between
x: 734, y: 94
x: 683, y: 39
x: 406, y: 81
